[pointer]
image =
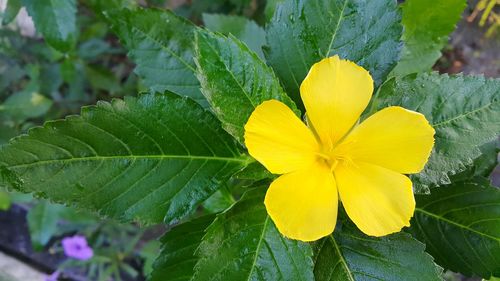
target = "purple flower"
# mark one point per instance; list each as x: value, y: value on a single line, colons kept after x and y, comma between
x: 76, y: 247
x: 53, y: 276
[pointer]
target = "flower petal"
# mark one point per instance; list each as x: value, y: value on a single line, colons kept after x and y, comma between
x: 394, y: 138
x: 379, y: 201
x: 277, y: 138
x: 335, y: 93
x: 303, y: 204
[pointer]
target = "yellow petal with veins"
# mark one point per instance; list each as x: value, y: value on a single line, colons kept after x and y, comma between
x: 335, y: 93
x: 278, y: 139
x: 303, y: 204
x: 394, y: 138
x: 379, y: 201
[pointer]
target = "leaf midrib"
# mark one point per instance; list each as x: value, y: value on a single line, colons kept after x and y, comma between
x: 342, y: 260
x: 337, y: 26
x: 228, y: 70
x: 266, y: 222
x: 458, y: 117
x: 166, y: 48
x: 241, y: 159
x: 441, y: 218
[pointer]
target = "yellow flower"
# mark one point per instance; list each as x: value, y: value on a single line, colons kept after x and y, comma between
x: 364, y: 164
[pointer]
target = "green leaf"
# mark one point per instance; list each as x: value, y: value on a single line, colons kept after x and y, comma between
x: 102, y: 7
x: 427, y: 24
x: 26, y: 104
x: 351, y: 255
x: 219, y: 201
x: 234, y: 80
x: 147, y: 159
x: 5, y: 201
x: 244, y: 244
x: 7, y: 131
x: 73, y: 73
x: 149, y: 253
x: 177, y: 257
x: 460, y: 224
x: 302, y: 33
x: 162, y: 46
x: 484, y: 165
x: 242, y: 28
x: 270, y: 8
x: 464, y: 111
x: 254, y: 172
x: 42, y: 222
x: 11, y: 11
x: 55, y: 20
x: 102, y: 79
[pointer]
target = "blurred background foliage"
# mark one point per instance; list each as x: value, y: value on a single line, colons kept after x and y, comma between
x: 49, y: 79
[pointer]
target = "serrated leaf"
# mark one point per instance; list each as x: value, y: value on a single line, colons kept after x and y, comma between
x: 161, y: 45
x: 11, y: 11
x: 244, y: 244
x: 242, y: 28
x: 484, y: 165
x: 234, y: 80
x: 460, y: 225
x: 464, y: 111
x: 149, y: 158
x: 177, y: 257
x: 348, y: 254
x: 302, y: 33
x: 427, y: 24
x: 55, y: 20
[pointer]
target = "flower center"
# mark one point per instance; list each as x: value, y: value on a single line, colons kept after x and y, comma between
x: 332, y: 159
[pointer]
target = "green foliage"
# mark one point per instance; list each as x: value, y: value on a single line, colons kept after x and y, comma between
x: 484, y: 165
x: 166, y: 157
x: 26, y: 104
x: 149, y: 253
x: 234, y: 80
x: 11, y: 11
x: 460, y: 225
x: 348, y: 254
x: 55, y: 20
x: 219, y: 201
x: 464, y: 111
x: 163, y: 53
x: 302, y: 33
x: 271, y: 8
x: 5, y: 201
x: 177, y: 257
x: 242, y: 28
x: 38, y: 83
x: 42, y: 223
x: 427, y: 25
x: 147, y: 159
x: 244, y: 244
